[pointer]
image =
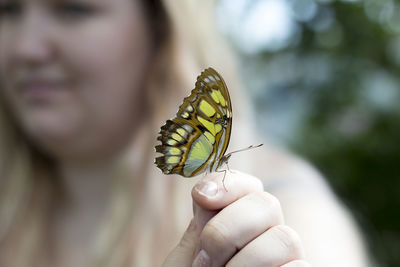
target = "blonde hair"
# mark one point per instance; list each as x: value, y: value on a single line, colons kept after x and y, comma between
x: 28, y: 183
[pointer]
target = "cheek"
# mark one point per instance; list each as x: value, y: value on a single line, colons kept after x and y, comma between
x: 111, y: 65
x: 106, y: 62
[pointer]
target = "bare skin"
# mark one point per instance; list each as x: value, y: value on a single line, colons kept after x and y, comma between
x: 71, y: 82
x: 233, y: 227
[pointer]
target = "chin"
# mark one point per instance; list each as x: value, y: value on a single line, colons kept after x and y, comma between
x: 50, y: 129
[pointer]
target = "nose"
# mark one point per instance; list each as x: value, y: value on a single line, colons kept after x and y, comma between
x: 32, y: 40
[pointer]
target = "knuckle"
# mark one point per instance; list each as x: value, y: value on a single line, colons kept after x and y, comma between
x: 270, y: 203
x: 289, y: 240
x: 215, y: 236
x: 267, y: 199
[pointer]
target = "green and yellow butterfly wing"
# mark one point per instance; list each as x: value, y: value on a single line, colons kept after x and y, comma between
x: 197, y: 138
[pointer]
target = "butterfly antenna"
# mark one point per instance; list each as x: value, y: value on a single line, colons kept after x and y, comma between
x: 243, y: 149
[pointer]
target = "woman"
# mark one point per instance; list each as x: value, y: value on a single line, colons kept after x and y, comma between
x: 85, y: 86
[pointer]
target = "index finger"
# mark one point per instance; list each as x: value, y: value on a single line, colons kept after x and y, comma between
x: 219, y: 189
x: 216, y: 191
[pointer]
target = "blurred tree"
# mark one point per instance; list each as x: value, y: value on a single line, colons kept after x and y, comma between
x: 330, y: 91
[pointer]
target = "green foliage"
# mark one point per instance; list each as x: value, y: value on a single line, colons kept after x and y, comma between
x: 365, y: 172
x: 341, y: 83
x: 353, y: 140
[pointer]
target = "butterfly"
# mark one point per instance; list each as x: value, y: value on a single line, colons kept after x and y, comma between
x: 196, y: 139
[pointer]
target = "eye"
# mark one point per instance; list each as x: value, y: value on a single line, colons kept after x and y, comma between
x: 74, y: 10
x: 10, y: 9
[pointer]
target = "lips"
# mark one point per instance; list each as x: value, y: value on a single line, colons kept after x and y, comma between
x: 40, y: 89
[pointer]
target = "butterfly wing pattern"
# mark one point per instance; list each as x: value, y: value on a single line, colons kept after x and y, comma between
x: 196, y: 139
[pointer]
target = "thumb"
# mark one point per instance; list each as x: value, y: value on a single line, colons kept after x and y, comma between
x: 187, y: 249
x: 183, y: 253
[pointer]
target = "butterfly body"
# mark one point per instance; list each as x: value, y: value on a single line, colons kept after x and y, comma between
x: 197, y: 138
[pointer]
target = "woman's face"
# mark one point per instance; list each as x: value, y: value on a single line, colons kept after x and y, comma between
x: 73, y: 71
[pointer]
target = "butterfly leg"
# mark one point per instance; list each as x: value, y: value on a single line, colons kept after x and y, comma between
x: 227, y: 166
x: 204, y: 175
x: 223, y: 179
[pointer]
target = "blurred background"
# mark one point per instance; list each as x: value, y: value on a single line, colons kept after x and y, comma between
x: 324, y: 77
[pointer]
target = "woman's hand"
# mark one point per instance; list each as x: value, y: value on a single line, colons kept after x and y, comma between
x: 240, y: 226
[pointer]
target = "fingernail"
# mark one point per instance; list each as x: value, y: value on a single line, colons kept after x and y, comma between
x: 208, y: 188
x: 202, y: 260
